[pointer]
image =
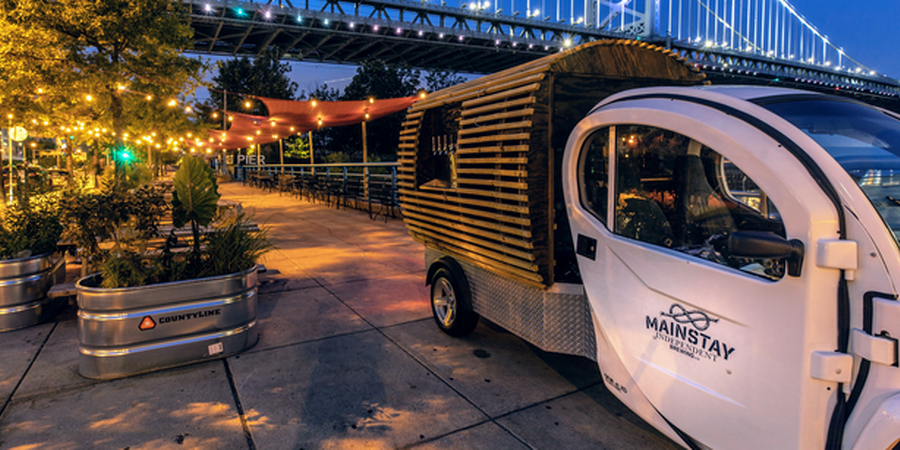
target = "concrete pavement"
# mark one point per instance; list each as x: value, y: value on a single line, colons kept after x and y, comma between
x: 349, y: 357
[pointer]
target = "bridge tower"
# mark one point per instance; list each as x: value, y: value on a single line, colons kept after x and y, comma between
x: 627, y: 17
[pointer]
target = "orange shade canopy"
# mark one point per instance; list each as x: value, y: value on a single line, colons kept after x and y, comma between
x: 287, y: 117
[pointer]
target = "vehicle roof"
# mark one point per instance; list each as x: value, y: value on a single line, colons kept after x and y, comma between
x: 756, y: 92
x: 719, y: 93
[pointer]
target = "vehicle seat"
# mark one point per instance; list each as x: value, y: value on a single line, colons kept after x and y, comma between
x: 702, y: 212
x: 638, y: 216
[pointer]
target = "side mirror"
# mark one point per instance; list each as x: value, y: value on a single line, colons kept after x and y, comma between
x: 765, y: 245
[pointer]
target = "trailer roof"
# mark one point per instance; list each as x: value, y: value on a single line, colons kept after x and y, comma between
x: 610, y: 58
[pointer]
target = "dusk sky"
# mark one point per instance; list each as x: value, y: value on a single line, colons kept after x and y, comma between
x: 868, y: 30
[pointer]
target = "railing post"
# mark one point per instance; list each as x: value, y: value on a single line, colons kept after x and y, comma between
x: 394, y: 184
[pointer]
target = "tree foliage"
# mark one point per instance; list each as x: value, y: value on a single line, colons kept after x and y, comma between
x: 96, y: 63
x: 264, y: 76
x: 195, y: 198
x: 297, y: 147
x: 441, y: 79
x: 373, y: 79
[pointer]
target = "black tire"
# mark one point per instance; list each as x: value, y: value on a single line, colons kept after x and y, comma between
x: 451, y: 305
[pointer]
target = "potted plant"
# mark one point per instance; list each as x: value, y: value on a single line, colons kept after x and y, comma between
x: 29, y: 261
x: 159, y: 300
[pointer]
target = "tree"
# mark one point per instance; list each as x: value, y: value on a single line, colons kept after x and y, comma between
x: 442, y: 79
x: 106, y: 56
x: 264, y: 76
x: 297, y: 147
x: 323, y: 140
x: 375, y: 79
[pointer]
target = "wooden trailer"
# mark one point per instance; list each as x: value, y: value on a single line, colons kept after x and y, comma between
x: 478, y: 159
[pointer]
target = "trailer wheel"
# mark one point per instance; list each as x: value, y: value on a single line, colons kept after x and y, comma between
x: 450, y: 304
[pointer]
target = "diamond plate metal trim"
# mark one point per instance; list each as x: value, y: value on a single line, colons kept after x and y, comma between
x: 553, y: 322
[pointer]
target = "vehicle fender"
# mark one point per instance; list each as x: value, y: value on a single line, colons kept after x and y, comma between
x: 882, y: 431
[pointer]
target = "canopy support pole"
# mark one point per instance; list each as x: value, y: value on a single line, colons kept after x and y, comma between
x: 365, y: 160
x: 312, y: 160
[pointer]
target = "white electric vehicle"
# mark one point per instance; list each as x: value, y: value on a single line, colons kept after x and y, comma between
x: 738, y: 250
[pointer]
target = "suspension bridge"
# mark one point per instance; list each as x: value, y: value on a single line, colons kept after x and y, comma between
x: 732, y: 41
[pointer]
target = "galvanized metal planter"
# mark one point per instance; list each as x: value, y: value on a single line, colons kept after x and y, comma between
x: 24, y: 283
x: 126, y: 331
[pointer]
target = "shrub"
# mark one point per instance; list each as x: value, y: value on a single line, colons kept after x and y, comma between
x: 118, y: 230
x: 30, y: 225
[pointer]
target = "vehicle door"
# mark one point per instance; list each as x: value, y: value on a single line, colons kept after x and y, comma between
x: 720, y: 345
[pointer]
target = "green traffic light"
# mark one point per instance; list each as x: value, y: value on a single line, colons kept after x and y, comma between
x: 125, y: 155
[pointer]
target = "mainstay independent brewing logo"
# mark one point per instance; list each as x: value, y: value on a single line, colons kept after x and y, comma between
x: 687, y: 332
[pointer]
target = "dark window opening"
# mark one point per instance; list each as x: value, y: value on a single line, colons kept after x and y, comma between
x: 438, y: 142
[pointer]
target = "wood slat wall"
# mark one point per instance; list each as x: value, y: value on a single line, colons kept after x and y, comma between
x: 498, y: 215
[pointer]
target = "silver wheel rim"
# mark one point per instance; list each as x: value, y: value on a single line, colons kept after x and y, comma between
x: 443, y: 301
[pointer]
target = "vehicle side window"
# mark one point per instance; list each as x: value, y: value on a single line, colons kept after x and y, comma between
x: 595, y: 174
x: 674, y: 192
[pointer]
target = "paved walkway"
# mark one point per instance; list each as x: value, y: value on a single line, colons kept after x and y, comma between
x: 349, y: 357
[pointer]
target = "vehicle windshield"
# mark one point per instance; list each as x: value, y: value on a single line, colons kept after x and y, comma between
x: 862, y: 139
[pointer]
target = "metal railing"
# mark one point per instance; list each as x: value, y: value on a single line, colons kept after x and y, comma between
x: 379, y: 172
